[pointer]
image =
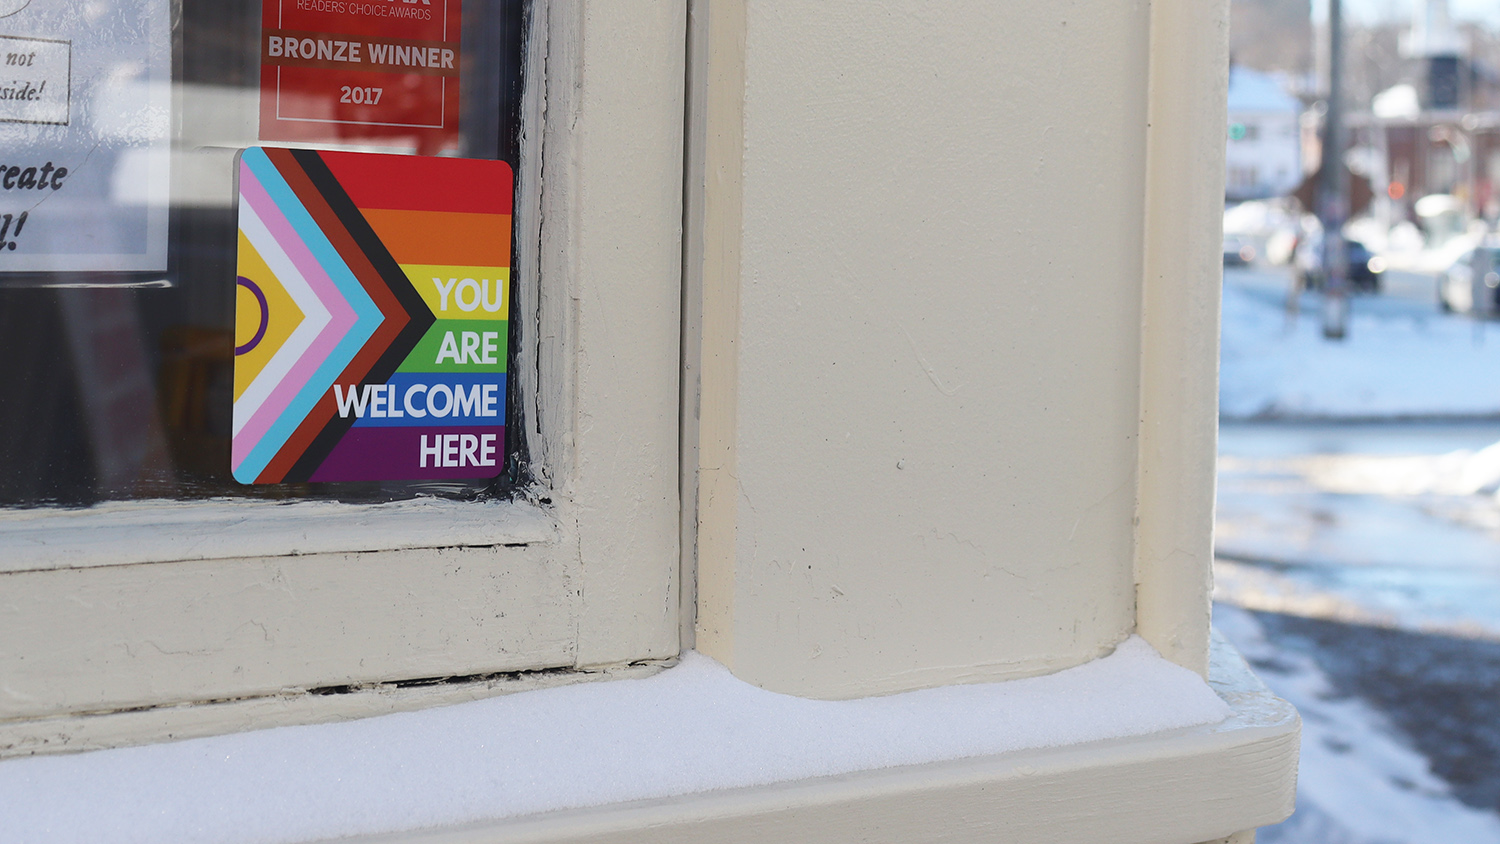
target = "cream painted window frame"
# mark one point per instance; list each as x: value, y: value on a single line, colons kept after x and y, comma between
x: 614, y: 73
x: 139, y: 621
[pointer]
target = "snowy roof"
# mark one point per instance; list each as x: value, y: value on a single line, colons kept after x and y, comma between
x: 1251, y: 90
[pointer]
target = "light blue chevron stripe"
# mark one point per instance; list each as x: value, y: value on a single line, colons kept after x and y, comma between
x: 367, y: 315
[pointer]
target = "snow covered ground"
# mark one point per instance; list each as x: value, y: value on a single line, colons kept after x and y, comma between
x: 1402, y: 357
x: 1359, y: 564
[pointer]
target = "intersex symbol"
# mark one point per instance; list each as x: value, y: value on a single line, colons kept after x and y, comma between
x: 265, y: 315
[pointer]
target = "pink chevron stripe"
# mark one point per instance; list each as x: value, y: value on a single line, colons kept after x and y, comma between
x: 315, y: 315
x: 342, y: 318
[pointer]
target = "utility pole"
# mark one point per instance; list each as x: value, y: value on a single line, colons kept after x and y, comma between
x: 1333, y: 187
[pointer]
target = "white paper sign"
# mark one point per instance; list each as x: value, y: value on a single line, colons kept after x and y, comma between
x: 85, y: 115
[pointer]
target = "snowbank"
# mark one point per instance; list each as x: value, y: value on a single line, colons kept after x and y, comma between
x: 1460, y: 472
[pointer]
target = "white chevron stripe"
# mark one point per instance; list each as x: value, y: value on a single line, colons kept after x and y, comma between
x: 315, y: 317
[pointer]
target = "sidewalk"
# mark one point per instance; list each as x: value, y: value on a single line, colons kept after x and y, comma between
x: 1402, y: 357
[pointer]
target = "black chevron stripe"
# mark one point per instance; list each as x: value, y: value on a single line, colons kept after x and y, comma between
x: 390, y: 272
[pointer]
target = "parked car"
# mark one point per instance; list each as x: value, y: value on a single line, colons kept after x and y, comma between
x: 1471, y: 284
x: 1239, y: 251
x: 1362, y: 267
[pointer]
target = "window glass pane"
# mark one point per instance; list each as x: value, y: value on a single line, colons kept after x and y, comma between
x: 118, y: 234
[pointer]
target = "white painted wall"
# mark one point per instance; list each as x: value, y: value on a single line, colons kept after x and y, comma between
x: 922, y: 284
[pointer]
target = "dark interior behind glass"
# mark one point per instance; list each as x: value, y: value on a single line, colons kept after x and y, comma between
x: 119, y: 385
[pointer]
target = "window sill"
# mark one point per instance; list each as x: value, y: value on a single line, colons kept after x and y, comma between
x: 1206, y: 783
x: 126, y: 533
x: 1178, y: 785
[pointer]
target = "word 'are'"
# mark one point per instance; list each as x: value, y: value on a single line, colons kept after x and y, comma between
x: 480, y: 347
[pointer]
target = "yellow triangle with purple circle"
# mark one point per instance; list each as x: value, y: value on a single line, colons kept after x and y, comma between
x: 280, y: 316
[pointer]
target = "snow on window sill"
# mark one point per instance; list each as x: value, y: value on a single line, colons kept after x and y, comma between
x: 1127, y: 748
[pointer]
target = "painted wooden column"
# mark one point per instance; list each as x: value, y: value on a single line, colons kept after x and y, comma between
x: 935, y: 444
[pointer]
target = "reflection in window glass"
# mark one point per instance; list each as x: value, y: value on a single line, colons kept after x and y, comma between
x: 117, y: 214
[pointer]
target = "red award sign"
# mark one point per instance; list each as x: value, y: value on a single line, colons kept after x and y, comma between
x: 361, y: 71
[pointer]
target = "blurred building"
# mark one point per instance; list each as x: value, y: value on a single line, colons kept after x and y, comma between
x: 1273, y: 35
x: 1423, y: 118
x: 1438, y: 50
x: 1263, y: 157
x: 1437, y: 132
x: 1431, y: 152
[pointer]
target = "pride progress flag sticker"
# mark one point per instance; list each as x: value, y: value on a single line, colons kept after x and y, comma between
x: 372, y: 318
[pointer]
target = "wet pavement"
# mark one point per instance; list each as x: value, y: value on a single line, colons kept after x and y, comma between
x: 1441, y: 692
x: 1368, y: 523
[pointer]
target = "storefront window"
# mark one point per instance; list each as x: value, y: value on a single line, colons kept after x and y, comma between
x: 120, y: 123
